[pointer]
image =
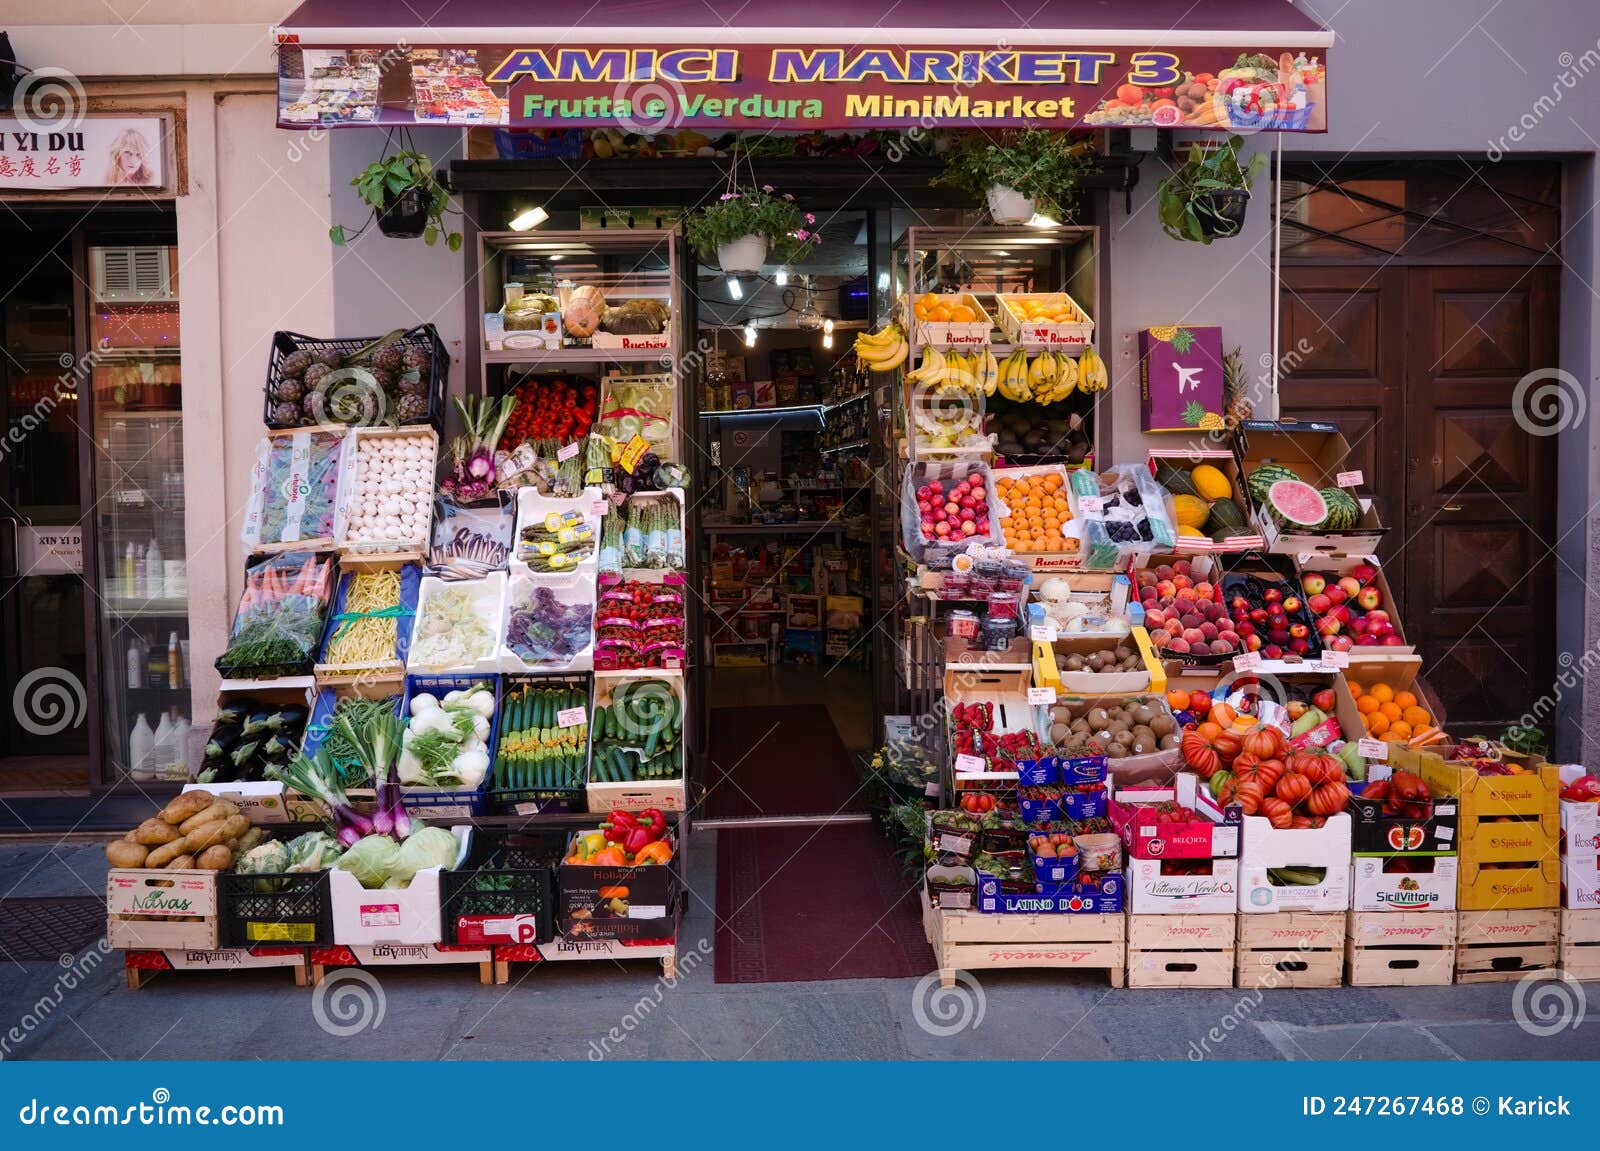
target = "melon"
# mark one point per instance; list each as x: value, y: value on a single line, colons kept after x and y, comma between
x: 1227, y: 518
x: 1190, y: 511
x: 1264, y: 477
x: 1343, y: 510
x: 1297, y: 502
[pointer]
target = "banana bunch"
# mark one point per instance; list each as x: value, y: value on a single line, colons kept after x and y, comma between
x: 949, y: 373
x: 1092, y: 374
x: 883, y: 350
x: 1013, y: 378
x: 1046, y: 379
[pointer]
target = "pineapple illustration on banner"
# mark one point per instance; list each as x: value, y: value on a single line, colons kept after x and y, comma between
x: 1181, y: 386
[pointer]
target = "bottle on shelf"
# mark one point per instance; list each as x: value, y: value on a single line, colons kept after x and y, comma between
x: 140, y: 742
x: 174, y: 662
x: 136, y: 585
x: 160, y: 748
x: 155, y: 586
x: 136, y: 658
x: 130, y: 570
x: 177, y: 761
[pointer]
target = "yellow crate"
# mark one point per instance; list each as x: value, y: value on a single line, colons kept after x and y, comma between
x: 1535, y: 794
x: 1509, y: 888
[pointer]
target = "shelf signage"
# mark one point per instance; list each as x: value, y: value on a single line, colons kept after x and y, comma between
x: 660, y: 89
x: 90, y: 152
x: 50, y: 550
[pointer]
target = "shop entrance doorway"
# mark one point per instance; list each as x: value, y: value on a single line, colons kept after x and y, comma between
x: 1415, y: 298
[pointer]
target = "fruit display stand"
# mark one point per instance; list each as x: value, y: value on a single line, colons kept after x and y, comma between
x: 1503, y: 946
x: 1401, y: 949
x: 1291, y: 949
x: 1182, y: 950
x: 968, y: 940
x: 1027, y: 320
x: 1580, y: 944
x: 142, y: 967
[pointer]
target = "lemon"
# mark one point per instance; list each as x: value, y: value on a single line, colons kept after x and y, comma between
x: 1210, y: 483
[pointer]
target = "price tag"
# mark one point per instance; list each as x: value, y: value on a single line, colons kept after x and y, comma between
x: 956, y: 844
x: 1037, y: 695
x: 567, y: 453
x: 1043, y: 632
x: 1091, y: 504
x: 931, y: 790
x: 632, y: 452
x: 1335, y: 659
x: 572, y: 716
x: 600, y: 507
x: 970, y: 763
x: 1373, y: 749
x: 1348, y: 479
x: 1247, y: 661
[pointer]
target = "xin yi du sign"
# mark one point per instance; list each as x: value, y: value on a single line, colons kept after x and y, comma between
x: 93, y: 153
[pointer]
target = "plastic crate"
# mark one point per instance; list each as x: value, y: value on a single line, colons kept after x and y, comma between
x: 425, y: 336
x: 296, y: 911
x: 507, y: 886
x: 449, y: 802
x: 541, y: 800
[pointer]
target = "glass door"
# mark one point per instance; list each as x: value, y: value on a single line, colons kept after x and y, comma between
x: 45, y: 721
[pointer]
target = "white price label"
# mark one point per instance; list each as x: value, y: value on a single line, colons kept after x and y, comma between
x: 599, y: 507
x: 571, y: 716
x: 931, y: 790
x: 971, y: 763
x: 1373, y: 749
x: 1335, y: 659
x: 1038, y: 695
x: 958, y: 844
x: 1043, y: 632
x: 567, y: 453
x: 1091, y: 504
x: 1247, y: 661
x: 1348, y: 479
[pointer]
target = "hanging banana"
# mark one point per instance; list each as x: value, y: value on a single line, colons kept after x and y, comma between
x: 883, y: 350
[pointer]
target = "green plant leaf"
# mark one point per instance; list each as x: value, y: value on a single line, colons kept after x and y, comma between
x: 429, y: 235
x: 336, y: 233
x: 454, y: 240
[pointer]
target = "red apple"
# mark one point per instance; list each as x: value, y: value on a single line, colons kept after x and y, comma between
x: 1279, y: 635
x: 1341, y: 643
x: 1366, y: 640
x: 1323, y: 700
x: 1351, y: 586
x: 1369, y: 597
x: 1252, y: 643
x: 1341, y: 613
x: 1258, y: 615
x: 1328, y: 625
x: 1272, y: 595
x: 1377, y: 617
x: 1299, y: 631
x: 1299, y: 646
x: 1319, y: 604
x: 1314, y: 583
x: 1335, y: 594
x: 1291, y: 604
x: 1392, y: 640
x: 1245, y: 628
x: 1366, y: 573
x: 1272, y: 651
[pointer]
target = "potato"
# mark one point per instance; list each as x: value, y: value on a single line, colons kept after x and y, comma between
x: 237, y: 825
x: 221, y: 809
x: 155, y: 832
x: 246, y: 841
x: 190, y: 803
x: 164, y: 854
x: 131, y: 836
x: 207, y: 835
x: 181, y: 863
x: 124, y: 854
x: 215, y: 858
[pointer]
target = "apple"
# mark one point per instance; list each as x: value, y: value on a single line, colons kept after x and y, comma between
x: 969, y: 526
x: 1342, y: 613
x: 1298, y: 631
x: 1381, y: 630
x: 1295, y: 709
x: 1366, y: 573
x: 1323, y: 700
x: 1314, y: 583
x: 1341, y: 643
x: 1335, y: 594
x: 1258, y: 615
x: 1319, y: 604
x: 1380, y: 616
x: 1272, y: 595
x: 1351, y: 586
x: 1199, y: 701
x: 1291, y: 604
x: 1328, y: 625
x: 1392, y: 640
x: 1239, y: 603
x: 1367, y: 640
x: 942, y: 528
x: 1369, y: 598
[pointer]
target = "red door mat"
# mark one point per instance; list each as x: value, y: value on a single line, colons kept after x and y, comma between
x: 779, y: 761
x: 812, y: 903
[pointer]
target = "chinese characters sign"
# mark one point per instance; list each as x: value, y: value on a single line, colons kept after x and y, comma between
x: 95, y: 152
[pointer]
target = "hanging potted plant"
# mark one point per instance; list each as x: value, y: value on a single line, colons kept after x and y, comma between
x: 749, y: 226
x: 1019, y: 174
x: 1206, y: 197
x: 405, y: 200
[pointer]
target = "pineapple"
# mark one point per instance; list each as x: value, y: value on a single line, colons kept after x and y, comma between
x: 1164, y: 333
x: 1211, y: 422
x: 1236, y: 399
x: 1182, y: 340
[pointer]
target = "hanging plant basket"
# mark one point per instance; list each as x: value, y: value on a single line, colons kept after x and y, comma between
x: 1221, y: 213
x: 1009, y: 206
x: 404, y: 217
x: 742, y: 256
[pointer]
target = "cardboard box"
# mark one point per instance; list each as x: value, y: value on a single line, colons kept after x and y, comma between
x: 1429, y: 885
x: 1102, y: 895
x: 1337, y: 566
x: 1181, y: 385
x: 1214, y: 834
x: 651, y: 891
x: 407, y: 917
x: 1375, y: 831
x: 263, y: 804
x: 1183, y: 887
x: 157, y: 910
x: 1267, y: 847
x: 1580, y: 855
x: 1317, y: 452
x: 1223, y: 460
x: 620, y: 930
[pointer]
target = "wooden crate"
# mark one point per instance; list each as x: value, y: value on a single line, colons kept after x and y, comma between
x: 561, y: 948
x: 1182, y: 950
x: 1580, y: 944
x: 966, y: 940
x: 1291, y: 949
x: 1401, y: 949
x: 143, y: 966
x: 153, y: 909
x: 1502, y: 946
x: 324, y: 959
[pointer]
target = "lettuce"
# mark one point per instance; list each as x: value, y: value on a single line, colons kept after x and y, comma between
x: 372, y: 859
x: 426, y: 847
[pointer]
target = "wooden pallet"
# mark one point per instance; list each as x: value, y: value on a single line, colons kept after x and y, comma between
x: 1182, y: 950
x: 1503, y: 946
x: 1580, y: 944
x: 966, y: 940
x: 1291, y: 949
x: 325, y: 959
x: 561, y: 950
x: 143, y: 966
x: 1401, y: 949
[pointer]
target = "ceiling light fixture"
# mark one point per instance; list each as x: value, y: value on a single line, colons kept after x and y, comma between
x: 531, y: 218
x: 735, y: 288
x: 749, y: 335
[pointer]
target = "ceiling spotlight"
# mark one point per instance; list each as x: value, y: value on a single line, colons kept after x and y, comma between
x: 735, y: 288
x: 827, y: 339
x: 1038, y: 221
x: 827, y: 325
x: 782, y: 278
x: 749, y: 335
x: 531, y: 218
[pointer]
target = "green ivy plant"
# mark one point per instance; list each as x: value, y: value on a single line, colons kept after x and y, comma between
x: 1046, y: 167
x: 1187, y: 200
x: 384, y: 180
x: 751, y: 211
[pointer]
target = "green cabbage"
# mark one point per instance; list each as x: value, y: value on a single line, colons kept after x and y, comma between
x: 313, y: 851
x: 372, y: 859
x: 426, y: 847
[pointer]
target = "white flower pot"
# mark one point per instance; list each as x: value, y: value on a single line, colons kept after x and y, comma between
x: 1009, y: 206
x: 746, y: 254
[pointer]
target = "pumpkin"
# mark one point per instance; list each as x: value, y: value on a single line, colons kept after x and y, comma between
x: 1292, y: 787
x: 1329, y: 799
x: 1277, y: 812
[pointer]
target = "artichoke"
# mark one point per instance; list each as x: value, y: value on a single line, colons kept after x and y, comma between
x: 413, y: 383
x: 314, y: 376
x: 413, y: 409
x: 286, y: 414
x: 416, y: 359
x: 288, y: 391
x: 331, y: 359
x: 294, y: 365
x: 386, y: 357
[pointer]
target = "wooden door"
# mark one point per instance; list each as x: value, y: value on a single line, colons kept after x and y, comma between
x: 1480, y: 494
x: 1417, y: 365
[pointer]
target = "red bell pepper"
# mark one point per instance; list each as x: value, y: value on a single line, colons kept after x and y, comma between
x: 651, y: 820
x: 616, y: 828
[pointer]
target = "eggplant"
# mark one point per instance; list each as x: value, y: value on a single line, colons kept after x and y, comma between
x: 279, y: 748
x: 233, y: 714
x: 287, y: 719
x: 257, y: 725
x: 244, y: 752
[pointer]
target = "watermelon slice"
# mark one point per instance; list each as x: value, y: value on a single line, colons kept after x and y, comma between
x: 1297, y: 502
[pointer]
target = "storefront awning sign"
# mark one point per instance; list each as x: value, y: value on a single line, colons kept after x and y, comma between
x: 1224, y: 65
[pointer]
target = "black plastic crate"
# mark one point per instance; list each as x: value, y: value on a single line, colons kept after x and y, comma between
x: 538, y: 800
x: 356, y: 391
x: 506, y: 889
x: 296, y: 910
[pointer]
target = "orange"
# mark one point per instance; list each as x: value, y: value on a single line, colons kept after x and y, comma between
x: 1355, y: 688
x: 939, y: 314
x: 961, y: 313
x: 1377, y: 722
x: 1381, y: 692
x: 1390, y: 709
x: 1405, y: 699
x: 1366, y: 705
x: 1401, y: 729
x: 1415, y: 716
